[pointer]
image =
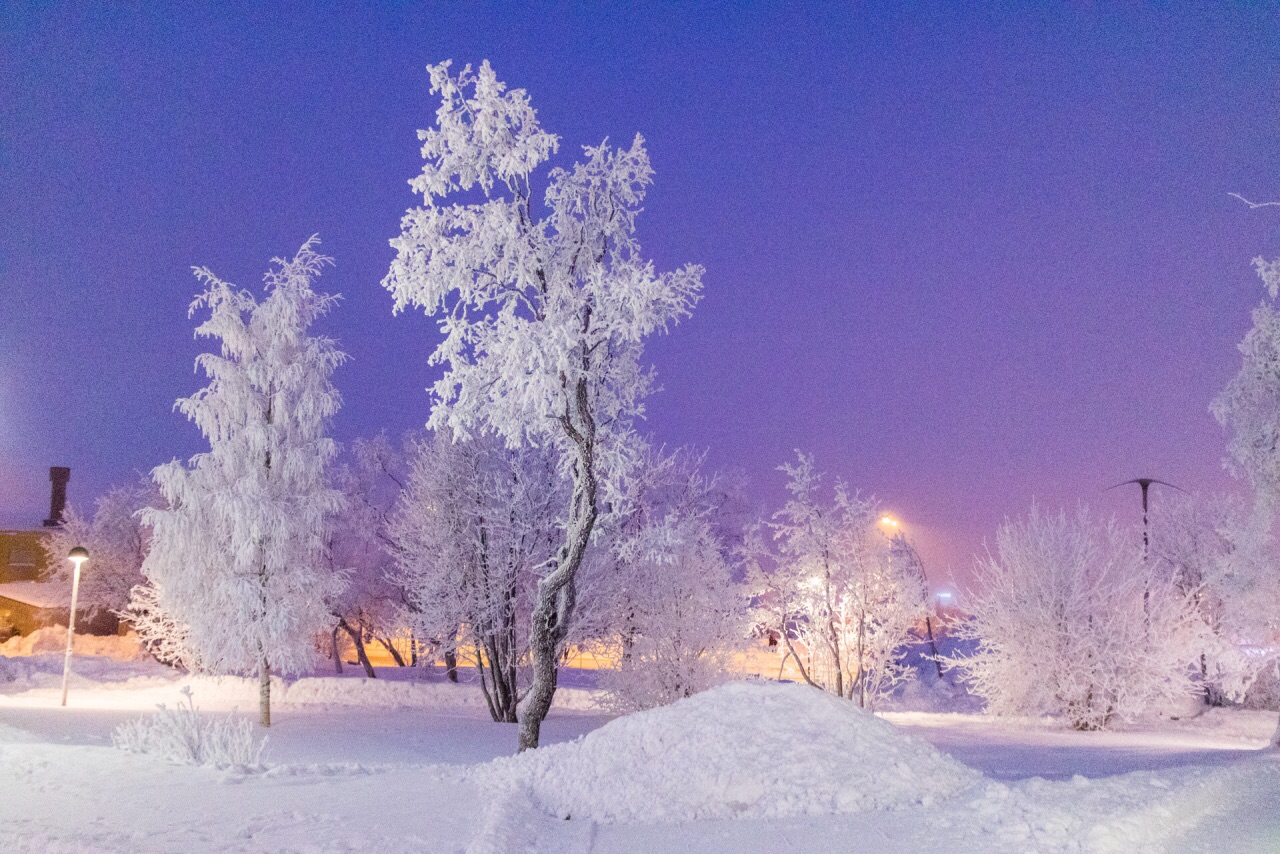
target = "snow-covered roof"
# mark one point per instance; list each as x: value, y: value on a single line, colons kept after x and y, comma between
x: 39, y: 594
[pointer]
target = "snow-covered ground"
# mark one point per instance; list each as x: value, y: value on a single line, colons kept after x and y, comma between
x: 410, y: 765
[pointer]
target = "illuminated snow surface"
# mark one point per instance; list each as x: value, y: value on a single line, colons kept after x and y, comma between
x: 399, y: 765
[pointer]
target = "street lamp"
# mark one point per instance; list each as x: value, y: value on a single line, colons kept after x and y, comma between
x: 77, y: 556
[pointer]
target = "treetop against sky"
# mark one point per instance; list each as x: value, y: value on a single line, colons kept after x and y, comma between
x: 964, y: 256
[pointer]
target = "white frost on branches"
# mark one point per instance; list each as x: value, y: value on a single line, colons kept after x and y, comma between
x: 827, y: 586
x: 372, y: 477
x: 117, y: 541
x: 237, y: 556
x: 475, y: 526
x: 544, y: 314
x: 1071, y: 621
x: 1249, y: 407
x: 669, y: 610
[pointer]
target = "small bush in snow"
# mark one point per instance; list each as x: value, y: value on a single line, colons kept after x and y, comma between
x: 183, y: 736
x: 1070, y: 620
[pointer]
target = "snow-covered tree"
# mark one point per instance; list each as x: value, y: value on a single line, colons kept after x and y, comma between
x: 544, y: 310
x: 476, y: 524
x: 237, y: 555
x: 1249, y: 407
x: 668, y: 609
x: 117, y: 542
x: 368, y: 607
x: 1250, y: 404
x: 1070, y: 620
x: 827, y: 586
x: 1216, y: 550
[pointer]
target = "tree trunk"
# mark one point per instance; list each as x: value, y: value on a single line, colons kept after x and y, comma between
x: 933, y: 645
x: 451, y: 664
x: 264, y: 693
x: 391, y: 649
x: 337, y: 653
x: 556, y: 595
x: 358, y: 640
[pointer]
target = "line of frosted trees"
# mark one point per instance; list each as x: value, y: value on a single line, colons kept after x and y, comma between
x: 531, y: 518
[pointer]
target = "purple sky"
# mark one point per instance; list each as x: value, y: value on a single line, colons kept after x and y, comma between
x: 966, y: 256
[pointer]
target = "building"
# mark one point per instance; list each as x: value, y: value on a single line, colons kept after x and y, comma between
x: 29, y: 600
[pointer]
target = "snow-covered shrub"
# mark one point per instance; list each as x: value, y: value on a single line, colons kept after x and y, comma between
x: 183, y: 736
x: 1070, y: 620
x: 829, y: 589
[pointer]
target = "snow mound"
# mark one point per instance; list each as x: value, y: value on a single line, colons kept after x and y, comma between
x: 749, y: 750
x: 52, y: 639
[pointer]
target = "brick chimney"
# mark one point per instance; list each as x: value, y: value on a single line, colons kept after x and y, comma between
x: 58, y: 475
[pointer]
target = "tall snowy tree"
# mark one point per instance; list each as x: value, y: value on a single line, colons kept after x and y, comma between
x: 544, y: 310
x: 828, y: 587
x: 1249, y: 407
x: 237, y: 557
x: 1216, y: 551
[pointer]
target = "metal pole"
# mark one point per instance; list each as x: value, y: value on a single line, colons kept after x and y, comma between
x: 71, y: 629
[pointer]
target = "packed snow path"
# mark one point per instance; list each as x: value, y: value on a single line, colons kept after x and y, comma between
x: 347, y: 774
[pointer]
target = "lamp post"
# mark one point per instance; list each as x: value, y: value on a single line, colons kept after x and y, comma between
x: 1144, y: 483
x: 77, y: 556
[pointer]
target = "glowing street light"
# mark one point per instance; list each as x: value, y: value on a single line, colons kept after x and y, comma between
x: 888, y: 521
x: 78, y: 556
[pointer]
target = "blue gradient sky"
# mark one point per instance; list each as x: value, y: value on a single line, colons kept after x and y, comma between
x: 966, y: 256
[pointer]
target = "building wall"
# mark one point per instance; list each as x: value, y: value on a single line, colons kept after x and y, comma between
x: 22, y: 555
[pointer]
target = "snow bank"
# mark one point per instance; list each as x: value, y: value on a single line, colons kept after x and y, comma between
x: 53, y: 639
x: 389, y: 694
x: 750, y: 750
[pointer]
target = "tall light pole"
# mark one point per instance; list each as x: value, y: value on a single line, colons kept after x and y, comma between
x: 898, y: 542
x: 77, y: 556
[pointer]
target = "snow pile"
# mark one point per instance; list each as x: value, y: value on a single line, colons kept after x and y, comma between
x: 750, y: 750
x: 53, y: 639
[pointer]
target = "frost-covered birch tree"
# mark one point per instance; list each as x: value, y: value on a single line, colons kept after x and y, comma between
x: 1070, y: 620
x: 827, y: 586
x: 237, y: 557
x: 544, y: 309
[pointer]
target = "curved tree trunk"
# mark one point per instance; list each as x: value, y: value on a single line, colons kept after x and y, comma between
x: 556, y: 592
x: 357, y: 638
